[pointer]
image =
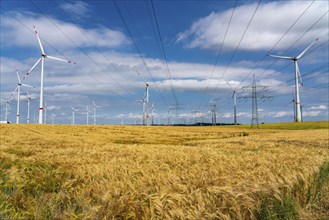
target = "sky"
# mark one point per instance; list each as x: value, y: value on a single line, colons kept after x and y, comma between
x: 194, y: 54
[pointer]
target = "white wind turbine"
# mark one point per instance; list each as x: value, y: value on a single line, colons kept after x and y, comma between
x: 152, y: 112
x: 234, y: 101
x: 28, y: 106
x: 146, y: 98
x: 52, y: 118
x: 73, y: 114
x: 95, y: 106
x: 143, y: 103
x: 42, y: 60
x: 88, y: 111
x: 297, y: 74
x: 7, y: 109
x: 18, y: 89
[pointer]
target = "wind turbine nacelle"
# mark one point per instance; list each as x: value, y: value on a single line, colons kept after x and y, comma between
x: 5, y: 122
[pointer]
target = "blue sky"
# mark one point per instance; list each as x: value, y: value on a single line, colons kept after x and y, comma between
x: 188, y: 48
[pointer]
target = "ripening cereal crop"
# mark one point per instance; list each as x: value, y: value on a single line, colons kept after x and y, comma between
x: 121, y: 172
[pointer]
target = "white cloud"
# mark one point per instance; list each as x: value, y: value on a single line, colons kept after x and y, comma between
x: 18, y: 35
x: 311, y: 113
x: 77, y: 9
x: 319, y: 107
x: 279, y: 114
x: 265, y: 30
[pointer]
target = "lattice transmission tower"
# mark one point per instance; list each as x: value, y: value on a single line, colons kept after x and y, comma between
x: 256, y: 94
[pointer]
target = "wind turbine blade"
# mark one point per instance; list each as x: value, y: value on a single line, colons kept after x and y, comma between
x: 145, y: 93
x: 13, y: 93
x: 19, y: 79
x: 94, y: 104
x: 28, y: 94
x: 40, y: 44
x: 32, y: 68
x: 59, y: 59
x: 28, y: 85
x: 142, y: 78
x: 229, y: 85
x: 302, y: 53
x: 282, y: 57
x: 300, y: 77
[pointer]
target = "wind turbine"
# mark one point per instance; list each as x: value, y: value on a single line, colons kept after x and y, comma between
x: 73, y: 113
x: 18, y: 89
x: 28, y: 107
x: 88, y: 111
x: 297, y: 74
x: 293, y: 105
x: 42, y: 60
x: 95, y: 106
x: 143, y: 103
x: 7, y: 109
x: 234, y: 100
x: 52, y: 118
x: 152, y: 112
x: 146, y: 98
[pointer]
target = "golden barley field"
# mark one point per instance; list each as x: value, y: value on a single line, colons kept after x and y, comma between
x: 135, y: 172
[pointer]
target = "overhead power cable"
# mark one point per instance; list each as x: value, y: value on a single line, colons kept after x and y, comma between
x: 263, y: 58
x: 320, y: 18
x: 137, y: 48
x: 237, y: 47
x: 77, y: 46
x: 95, y: 47
x: 220, y: 50
x: 57, y: 51
x: 164, y: 53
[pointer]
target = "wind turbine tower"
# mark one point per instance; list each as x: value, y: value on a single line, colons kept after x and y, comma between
x: 42, y: 60
x: 297, y: 74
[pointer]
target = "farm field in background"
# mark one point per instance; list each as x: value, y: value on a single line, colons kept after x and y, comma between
x: 120, y: 172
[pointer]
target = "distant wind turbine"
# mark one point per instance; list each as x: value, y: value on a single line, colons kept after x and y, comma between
x: 152, y: 112
x: 95, y: 106
x: 88, y: 111
x: 18, y: 89
x: 52, y: 118
x: 28, y: 107
x: 297, y: 74
x: 146, y: 98
x: 143, y: 103
x: 42, y: 60
x: 6, y: 108
x: 234, y: 100
x: 73, y: 114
